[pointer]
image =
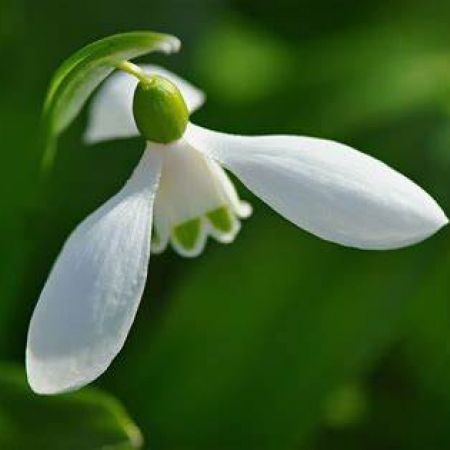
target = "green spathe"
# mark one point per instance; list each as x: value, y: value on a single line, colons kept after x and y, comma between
x: 79, y: 75
x: 159, y: 110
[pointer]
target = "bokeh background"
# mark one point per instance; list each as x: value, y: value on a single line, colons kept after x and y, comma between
x: 279, y: 341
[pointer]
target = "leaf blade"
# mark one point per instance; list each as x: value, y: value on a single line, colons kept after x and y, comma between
x: 88, y: 419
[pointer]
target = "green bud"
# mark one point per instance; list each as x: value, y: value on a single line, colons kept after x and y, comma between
x: 159, y: 110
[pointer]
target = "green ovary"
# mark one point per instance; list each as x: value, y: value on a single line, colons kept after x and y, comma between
x: 159, y: 110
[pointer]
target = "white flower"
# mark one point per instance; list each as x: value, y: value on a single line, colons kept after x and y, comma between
x: 181, y: 191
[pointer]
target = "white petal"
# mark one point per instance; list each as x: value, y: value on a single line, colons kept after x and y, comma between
x: 195, y: 199
x: 327, y: 188
x: 111, y: 115
x: 242, y: 209
x: 92, y: 294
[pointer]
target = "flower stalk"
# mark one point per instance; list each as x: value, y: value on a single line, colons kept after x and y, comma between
x: 135, y: 71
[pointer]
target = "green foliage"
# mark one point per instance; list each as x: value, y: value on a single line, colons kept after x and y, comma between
x: 89, y: 420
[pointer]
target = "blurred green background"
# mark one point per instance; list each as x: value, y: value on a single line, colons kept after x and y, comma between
x: 280, y: 341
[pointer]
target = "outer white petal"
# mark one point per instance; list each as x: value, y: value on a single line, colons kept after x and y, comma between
x: 92, y: 294
x: 327, y: 188
x: 111, y: 115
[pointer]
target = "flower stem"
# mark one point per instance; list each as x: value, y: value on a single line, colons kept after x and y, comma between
x: 133, y: 69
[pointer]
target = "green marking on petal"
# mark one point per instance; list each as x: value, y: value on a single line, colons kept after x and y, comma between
x: 188, y: 233
x: 221, y: 219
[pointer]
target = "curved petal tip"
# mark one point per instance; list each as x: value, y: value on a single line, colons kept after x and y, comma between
x: 91, y: 297
x: 327, y: 188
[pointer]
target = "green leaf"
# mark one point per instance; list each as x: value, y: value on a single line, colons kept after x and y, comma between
x: 79, y: 75
x: 87, y: 420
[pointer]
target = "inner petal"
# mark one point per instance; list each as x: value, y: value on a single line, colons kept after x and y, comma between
x: 195, y: 199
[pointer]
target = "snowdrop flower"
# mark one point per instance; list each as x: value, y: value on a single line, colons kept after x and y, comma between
x: 180, y: 193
